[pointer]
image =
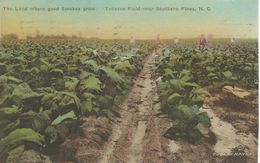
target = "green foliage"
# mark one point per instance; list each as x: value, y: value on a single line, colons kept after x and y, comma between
x: 91, y: 84
x: 92, y: 65
x: 19, y: 154
x: 187, y: 72
x: 48, y: 85
x: 9, y: 112
x: 68, y: 116
x: 18, y: 136
x: 123, y: 66
x: 237, y: 65
x: 112, y: 74
x: 181, y: 99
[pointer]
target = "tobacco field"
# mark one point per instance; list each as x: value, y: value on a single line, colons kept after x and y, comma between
x: 108, y: 101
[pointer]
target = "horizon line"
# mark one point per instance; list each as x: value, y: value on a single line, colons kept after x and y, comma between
x: 216, y: 38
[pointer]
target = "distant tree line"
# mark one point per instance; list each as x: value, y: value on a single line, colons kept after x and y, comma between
x: 62, y: 36
x: 13, y: 36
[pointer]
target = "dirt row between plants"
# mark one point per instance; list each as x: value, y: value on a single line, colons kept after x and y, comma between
x: 137, y: 136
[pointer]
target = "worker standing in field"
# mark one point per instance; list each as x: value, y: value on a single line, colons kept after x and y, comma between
x: 176, y: 42
x: 203, y: 42
x: 158, y: 42
x: 132, y: 41
x: 232, y: 42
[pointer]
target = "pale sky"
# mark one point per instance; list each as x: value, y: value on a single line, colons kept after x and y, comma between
x: 227, y: 18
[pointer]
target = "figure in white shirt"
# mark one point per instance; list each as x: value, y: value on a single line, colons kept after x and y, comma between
x: 132, y: 40
x: 232, y: 42
x: 176, y: 42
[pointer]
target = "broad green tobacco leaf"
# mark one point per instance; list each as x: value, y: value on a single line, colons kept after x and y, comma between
x: 9, y: 112
x: 68, y: 116
x: 92, y: 64
x: 9, y: 79
x: 112, y: 74
x: 87, y: 106
x: 13, y: 79
x: 56, y: 72
x: 227, y: 74
x: 203, y: 118
x: 18, y: 136
x: 196, y: 99
x: 91, y: 83
x: 124, y: 66
x: 201, y: 91
x: 173, y: 97
x: 177, y: 83
x: 191, y: 84
x: 22, y: 92
x: 188, y: 112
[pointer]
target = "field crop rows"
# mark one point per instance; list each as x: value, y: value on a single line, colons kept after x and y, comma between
x: 47, y: 88
x: 189, y: 74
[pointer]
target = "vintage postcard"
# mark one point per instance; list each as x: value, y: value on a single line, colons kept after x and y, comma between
x: 129, y: 81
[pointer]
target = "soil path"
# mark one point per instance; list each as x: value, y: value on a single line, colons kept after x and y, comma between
x: 137, y: 133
